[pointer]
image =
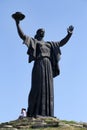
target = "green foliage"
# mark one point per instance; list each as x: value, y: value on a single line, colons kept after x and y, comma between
x: 69, y: 122
x: 42, y: 123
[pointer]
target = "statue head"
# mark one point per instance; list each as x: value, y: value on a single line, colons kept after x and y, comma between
x: 40, y: 34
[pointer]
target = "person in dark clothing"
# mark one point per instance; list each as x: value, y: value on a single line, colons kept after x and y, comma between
x: 46, y: 56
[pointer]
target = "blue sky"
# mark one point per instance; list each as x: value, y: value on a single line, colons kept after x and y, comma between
x: 70, y: 88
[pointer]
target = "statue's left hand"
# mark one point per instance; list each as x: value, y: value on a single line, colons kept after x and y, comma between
x: 70, y: 29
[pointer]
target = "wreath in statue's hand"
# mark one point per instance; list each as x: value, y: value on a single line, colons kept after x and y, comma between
x: 18, y: 16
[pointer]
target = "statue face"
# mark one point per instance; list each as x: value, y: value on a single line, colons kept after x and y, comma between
x: 41, y: 32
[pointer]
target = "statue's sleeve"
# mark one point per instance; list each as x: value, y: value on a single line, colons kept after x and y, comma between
x: 27, y: 41
x: 56, y: 47
x: 55, y: 57
x: 31, y: 44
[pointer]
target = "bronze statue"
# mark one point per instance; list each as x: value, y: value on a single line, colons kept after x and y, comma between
x: 46, y: 56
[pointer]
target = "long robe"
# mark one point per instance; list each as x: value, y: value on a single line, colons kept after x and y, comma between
x: 41, y: 96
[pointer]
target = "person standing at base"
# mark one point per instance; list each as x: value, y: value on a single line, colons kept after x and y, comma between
x: 23, y: 113
x: 46, y: 56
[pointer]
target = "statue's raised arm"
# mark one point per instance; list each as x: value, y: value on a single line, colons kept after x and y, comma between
x: 69, y: 33
x: 18, y: 16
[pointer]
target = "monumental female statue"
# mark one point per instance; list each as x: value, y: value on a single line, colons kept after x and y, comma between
x: 46, y: 55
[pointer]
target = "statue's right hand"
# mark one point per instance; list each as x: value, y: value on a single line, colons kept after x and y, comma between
x: 17, y: 21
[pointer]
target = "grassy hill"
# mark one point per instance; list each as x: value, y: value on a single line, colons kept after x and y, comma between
x: 42, y: 123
